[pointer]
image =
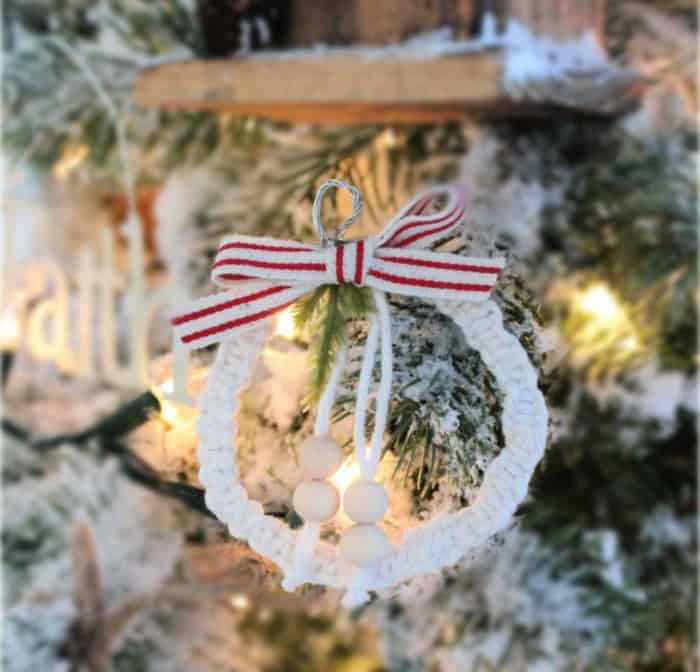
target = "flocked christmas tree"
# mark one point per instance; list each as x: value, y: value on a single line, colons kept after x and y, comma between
x: 597, y: 218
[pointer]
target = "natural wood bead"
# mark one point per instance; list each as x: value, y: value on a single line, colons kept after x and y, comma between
x: 316, y: 501
x: 364, y: 545
x: 365, y: 502
x: 320, y: 456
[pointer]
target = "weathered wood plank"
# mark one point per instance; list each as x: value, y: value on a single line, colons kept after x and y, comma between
x: 345, y: 87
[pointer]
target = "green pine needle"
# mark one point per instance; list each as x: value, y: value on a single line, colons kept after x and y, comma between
x: 323, y: 315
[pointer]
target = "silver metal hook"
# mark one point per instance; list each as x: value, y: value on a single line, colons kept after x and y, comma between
x: 327, y: 240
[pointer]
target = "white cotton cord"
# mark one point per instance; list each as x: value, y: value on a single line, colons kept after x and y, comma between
x: 362, y: 400
x: 303, y: 552
x: 316, y: 211
x: 310, y: 534
x: 429, y: 546
x: 357, y: 594
x: 325, y: 404
x: 381, y: 413
x: 381, y: 322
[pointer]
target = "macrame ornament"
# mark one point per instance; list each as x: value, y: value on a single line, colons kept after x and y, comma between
x: 264, y: 276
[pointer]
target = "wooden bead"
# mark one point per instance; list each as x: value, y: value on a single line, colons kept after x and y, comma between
x: 365, y: 502
x: 316, y: 501
x: 364, y: 545
x: 320, y: 456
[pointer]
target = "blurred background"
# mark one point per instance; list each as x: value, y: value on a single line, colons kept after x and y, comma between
x: 138, y: 133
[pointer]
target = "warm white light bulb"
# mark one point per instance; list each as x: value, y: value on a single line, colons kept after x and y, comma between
x: 599, y: 301
x: 629, y: 344
x: 388, y: 139
x: 167, y: 386
x: 168, y: 412
x: 9, y: 331
x: 347, y: 474
x: 71, y: 158
x: 240, y: 601
x: 285, y: 324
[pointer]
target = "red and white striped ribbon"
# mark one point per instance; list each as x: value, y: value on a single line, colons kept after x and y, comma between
x: 266, y: 275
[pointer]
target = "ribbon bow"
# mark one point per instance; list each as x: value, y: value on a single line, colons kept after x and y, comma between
x: 267, y: 275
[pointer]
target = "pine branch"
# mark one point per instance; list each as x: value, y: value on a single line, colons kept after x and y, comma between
x: 323, y: 315
x: 303, y: 310
x: 329, y: 336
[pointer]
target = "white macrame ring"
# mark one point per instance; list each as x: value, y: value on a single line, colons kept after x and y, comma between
x: 425, y: 548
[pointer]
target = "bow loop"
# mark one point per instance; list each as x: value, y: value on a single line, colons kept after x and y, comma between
x: 416, y: 226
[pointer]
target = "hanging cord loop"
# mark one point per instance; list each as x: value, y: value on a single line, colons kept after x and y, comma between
x: 310, y: 533
x: 326, y: 240
x: 380, y: 327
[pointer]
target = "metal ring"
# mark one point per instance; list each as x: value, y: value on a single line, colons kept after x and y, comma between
x: 341, y: 228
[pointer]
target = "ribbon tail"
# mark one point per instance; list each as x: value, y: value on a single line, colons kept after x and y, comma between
x: 212, y: 318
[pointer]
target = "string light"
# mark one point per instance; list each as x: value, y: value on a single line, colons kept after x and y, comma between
x: 178, y: 423
x: 600, y: 329
x: 285, y: 325
x: 347, y: 474
x: 388, y: 139
x: 9, y: 331
x: 168, y: 410
x: 239, y: 601
x: 71, y: 157
x: 630, y: 344
x: 597, y: 300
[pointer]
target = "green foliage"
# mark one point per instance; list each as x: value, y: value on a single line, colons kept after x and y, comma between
x: 444, y: 416
x: 323, y: 315
x: 612, y: 474
x: 444, y: 419
x: 41, y: 17
x: 631, y: 222
x: 606, y: 559
x: 609, y: 476
x: 142, y: 26
x: 291, y: 165
x: 40, y: 128
x: 154, y: 28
